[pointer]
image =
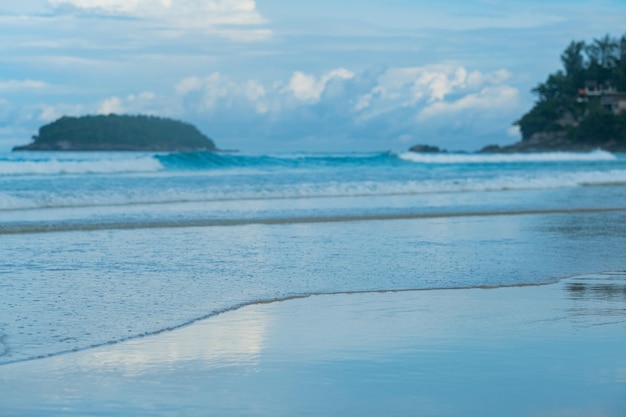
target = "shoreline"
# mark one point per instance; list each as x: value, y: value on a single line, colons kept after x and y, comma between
x: 378, y: 347
x: 262, y: 302
x: 17, y: 229
x: 100, y: 287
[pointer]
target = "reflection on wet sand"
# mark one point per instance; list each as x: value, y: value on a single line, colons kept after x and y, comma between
x: 547, y: 350
x: 605, y: 291
x: 231, y: 340
x: 603, y: 296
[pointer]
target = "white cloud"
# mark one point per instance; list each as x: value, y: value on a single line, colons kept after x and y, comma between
x: 436, y: 83
x: 188, y: 85
x: 307, y: 88
x: 234, y: 19
x: 409, y: 86
x: 206, y: 93
x: 50, y: 113
x: 145, y: 102
x: 429, y: 91
x: 145, y: 96
x: 217, y: 11
x: 489, y: 98
x: 399, y: 104
x: 133, y: 103
x: 111, y: 105
x: 211, y: 89
x: 514, y: 132
x: 304, y: 87
x: 476, y: 79
x: 434, y: 89
x: 20, y: 85
x: 111, y: 6
x: 447, y: 105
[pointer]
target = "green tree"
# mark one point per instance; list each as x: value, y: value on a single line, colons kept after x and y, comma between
x: 541, y: 118
x: 558, y: 87
x: 600, y: 126
x: 619, y: 77
x: 601, y: 56
x: 559, y: 106
x: 574, y: 63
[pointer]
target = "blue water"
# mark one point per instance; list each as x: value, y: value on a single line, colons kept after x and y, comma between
x: 98, y: 248
x: 135, y: 190
x: 555, y: 350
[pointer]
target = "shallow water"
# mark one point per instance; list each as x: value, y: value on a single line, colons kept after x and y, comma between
x: 73, y: 290
x: 550, y: 350
x: 106, y: 260
x: 105, y: 247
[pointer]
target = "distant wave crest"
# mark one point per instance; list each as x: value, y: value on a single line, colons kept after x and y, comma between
x: 108, y: 163
x: 211, y: 160
x: 459, y: 158
x: 58, y: 166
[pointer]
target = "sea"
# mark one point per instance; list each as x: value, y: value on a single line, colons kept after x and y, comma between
x: 100, y: 248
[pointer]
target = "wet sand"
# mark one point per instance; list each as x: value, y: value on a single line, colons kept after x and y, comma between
x: 547, y: 350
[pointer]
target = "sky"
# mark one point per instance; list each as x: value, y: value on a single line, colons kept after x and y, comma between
x: 286, y: 75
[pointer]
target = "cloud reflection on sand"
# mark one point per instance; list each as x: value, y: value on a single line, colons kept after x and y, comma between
x: 230, y: 340
x: 516, y: 351
x: 352, y: 326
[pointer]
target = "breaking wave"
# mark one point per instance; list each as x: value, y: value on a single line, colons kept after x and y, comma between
x: 19, y: 199
x: 207, y: 160
x: 458, y: 158
x: 112, y: 163
x: 58, y: 166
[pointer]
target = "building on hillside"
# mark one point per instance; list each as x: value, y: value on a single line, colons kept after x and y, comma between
x: 611, y: 100
x: 614, y: 102
x: 593, y: 89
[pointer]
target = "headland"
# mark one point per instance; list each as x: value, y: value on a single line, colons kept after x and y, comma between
x: 579, y: 108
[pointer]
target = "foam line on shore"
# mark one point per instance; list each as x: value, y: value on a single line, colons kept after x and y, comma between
x: 291, y: 297
x: 21, y: 228
x: 241, y: 305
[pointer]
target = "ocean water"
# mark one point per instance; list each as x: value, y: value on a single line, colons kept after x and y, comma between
x: 549, y: 350
x: 98, y: 248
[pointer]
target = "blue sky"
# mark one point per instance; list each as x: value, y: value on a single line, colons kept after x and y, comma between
x: 276, y: 75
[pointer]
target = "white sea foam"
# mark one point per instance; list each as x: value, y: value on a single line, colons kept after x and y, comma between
x: 455, y: 158
x: 82, y: 166
x: 17, y: 200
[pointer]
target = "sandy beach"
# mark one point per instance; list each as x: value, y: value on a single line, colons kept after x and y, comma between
x: 242, y: 208
x: 545, y: 350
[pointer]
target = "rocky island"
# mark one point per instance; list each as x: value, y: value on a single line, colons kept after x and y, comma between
x: 580, y: 107
x: 119, y: 133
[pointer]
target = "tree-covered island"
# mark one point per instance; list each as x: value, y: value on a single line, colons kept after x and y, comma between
x: 119, y: 133
x: 580, y: 107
